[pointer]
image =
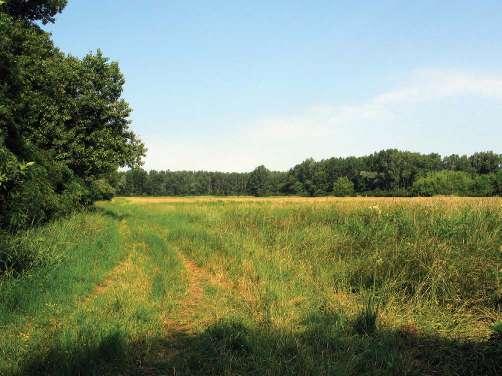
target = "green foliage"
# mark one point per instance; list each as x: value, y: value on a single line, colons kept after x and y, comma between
x: 32, y: 202
x: 456, y: 162
x: 33, y: 10
x: 398, y: 169
x: 11, y: 171
x: 497, y: 183
x: 258, y: 182
x: 47, y: 190
x: 444, y: 183
x: 101, y: 190
x: 343, y: 187
x: 64, y: 128
x: 44, y: 246
x: 496, y: 335
x: 385, y: 173
x: 486, y: 162
x: 484, y: 185
x: 497, y: 328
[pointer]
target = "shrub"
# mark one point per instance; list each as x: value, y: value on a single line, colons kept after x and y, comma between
x: 32, y: 193
x: 483, y: 185
x: 444, y: 183
x: 30, y: 202
x: 101, y: 190
x: 343, y: 187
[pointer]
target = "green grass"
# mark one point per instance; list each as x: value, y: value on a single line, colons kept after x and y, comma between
x: 267, y: 286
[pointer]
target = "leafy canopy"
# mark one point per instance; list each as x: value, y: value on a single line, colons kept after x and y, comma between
x: 33, y: 10
x: 64, y: 127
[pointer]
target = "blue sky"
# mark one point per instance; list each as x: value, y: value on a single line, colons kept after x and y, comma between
x: 228, y: 85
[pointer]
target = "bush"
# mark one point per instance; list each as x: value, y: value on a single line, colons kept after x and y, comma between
x: 101, y: 190
x: 31, y: 202
x: 496, y: 331
x: 444, y: 183
x: 9, y: 167
x: 343, y: 187
x: 483, y: 185
x: 34, y: 192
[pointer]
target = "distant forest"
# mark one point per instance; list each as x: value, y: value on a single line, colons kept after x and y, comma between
x: 385, y: 173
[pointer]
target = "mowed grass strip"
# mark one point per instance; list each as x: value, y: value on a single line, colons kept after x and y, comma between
x: 268, y: 286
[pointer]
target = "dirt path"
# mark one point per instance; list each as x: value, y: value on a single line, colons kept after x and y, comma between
x: 193, y: 301
x: 179, y: 325
x: 196, y: 277
x: 120, y: 269
x: 124, y: 269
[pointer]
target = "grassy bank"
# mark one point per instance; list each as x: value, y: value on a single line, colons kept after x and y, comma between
x: 258, y: 286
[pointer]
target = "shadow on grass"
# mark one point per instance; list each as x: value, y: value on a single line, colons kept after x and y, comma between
x: 110, y: 213
x: 18, y: 254
x: 327, y: 346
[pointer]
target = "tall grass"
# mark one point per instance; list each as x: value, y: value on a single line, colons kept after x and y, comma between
x: 258, y: 286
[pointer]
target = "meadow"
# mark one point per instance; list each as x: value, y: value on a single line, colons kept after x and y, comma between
x: 257, y: 286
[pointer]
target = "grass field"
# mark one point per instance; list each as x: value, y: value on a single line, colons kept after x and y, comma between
x: 273, y: 286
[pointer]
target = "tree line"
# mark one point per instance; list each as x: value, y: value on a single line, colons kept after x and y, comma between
x: 64, y: 128
x: 65, y: 134
x: 385, y: 173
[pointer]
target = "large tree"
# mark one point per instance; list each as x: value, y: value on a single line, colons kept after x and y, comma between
x: 258, y: 182
x: 64, y: 128
x: 33, y: 10
x: 486, y: 162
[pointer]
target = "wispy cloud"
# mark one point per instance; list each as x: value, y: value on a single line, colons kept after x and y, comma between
x: 427, y: 85
x: 405, y: 117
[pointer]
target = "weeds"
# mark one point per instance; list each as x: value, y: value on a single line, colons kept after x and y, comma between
x: 243, y: 286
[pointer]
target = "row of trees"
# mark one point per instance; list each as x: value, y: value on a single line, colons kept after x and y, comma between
x: 64, y: 128
x: 65, y: 131
x: 388, y: 172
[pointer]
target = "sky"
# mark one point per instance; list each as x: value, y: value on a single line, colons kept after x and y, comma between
x: 230, y: 85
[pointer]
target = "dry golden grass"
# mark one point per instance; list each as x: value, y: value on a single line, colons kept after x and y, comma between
x: 446, y: 201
